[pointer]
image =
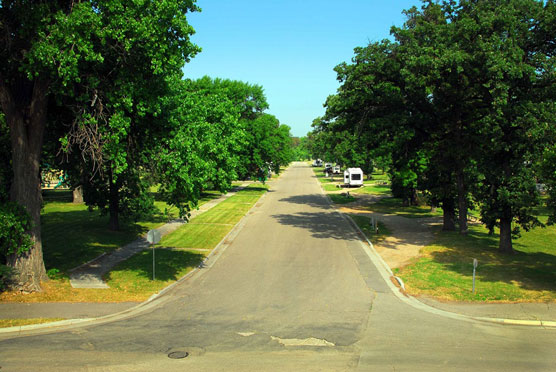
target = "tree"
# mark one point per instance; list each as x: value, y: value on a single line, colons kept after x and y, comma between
x: 301, y: 150
x: 59, y: 49
x: 520, y: 75
x: 202, y: 146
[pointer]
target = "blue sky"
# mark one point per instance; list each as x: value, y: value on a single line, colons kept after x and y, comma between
x: 290, y: 47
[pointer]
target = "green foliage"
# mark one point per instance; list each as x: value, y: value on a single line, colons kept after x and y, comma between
x: 300, y: 149
x: 460, y: 107
x: 203, y: 144
x: 548, y: 172
x: 14, y: 223
x: 268, y: 146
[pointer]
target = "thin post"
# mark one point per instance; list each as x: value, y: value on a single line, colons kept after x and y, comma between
x: 152, y: 246
x: 475, y: 263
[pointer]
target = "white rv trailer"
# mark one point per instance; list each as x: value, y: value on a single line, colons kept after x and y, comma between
x: 353, y: 177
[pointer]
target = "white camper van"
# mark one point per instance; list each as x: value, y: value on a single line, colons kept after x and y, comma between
x: 353, y: 177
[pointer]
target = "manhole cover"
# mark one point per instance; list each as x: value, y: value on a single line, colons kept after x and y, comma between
x: 178, y: 354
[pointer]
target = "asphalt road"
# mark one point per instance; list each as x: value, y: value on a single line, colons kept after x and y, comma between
x: 293, y: 291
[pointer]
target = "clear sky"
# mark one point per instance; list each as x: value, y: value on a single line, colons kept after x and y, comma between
x: 289, y: 47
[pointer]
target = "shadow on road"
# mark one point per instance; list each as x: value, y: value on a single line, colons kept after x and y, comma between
x: 314, y: 200
x: 323, y: 225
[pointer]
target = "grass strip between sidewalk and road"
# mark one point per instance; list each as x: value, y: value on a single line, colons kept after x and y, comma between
x: 177, y: 254
x: 5, y: 323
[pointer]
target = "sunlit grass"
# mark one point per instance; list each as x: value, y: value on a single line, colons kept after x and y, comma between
x: 330, y: 187
x: 446, y: 268
x: 4, y: 323
x: 374, y: 190
x: 196, y: 235
x: 131, y: 280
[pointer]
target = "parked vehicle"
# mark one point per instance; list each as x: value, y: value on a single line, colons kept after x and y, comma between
x: 336, y: 169
x: 353, y: 177
x: 317, y: 163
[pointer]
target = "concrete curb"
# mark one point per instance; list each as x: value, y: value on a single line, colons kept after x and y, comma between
x: 153, y: 301
x: 387, y: 275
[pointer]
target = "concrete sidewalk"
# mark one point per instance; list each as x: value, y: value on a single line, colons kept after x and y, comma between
x: 519, y: 311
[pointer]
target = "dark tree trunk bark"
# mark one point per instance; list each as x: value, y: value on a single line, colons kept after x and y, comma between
x: 449, y: 215
x: 505, y: 245
x: 113, y: 205
x: 78, y: 195
x: 462, y: 203
x: 26, y: 121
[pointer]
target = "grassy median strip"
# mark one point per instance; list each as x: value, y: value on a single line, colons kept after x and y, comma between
x: 176, y: 255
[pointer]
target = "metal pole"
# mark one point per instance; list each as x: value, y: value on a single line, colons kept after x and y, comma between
x: 473, y: 280
x: 475, y: 263
x: 152, y: 246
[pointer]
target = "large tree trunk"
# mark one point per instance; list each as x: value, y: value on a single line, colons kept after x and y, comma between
x: 505, y: 245
x: 113, y: 205
x: 26, y: 121
x: 449, y: 215
x: 462, y: 203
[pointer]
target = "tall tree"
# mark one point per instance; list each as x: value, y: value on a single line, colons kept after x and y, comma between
x: 202, y: 145
x: 520, y: 76
x: 60, y: 48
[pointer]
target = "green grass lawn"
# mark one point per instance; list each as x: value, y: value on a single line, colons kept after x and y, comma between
x: 445, y: 270
x: 342, y: 198
x: 330, y: 187
x: 364, y: 224
x: 135, y: 274
x: 374, y: 189
x: 72, y: 235
x: 395, y: 206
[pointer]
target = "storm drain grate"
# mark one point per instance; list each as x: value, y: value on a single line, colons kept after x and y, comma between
x: 178, y: 354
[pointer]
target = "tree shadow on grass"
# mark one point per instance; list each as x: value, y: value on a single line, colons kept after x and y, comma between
x: 254, y: 190
x: 74, y: 237
x: 528, y: 270
x: 323, y: 225
x: 169, y: 263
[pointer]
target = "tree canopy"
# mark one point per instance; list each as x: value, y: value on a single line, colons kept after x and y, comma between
x: 461, y: 104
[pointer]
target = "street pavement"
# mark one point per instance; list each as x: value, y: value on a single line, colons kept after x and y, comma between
x: 293, y: 289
